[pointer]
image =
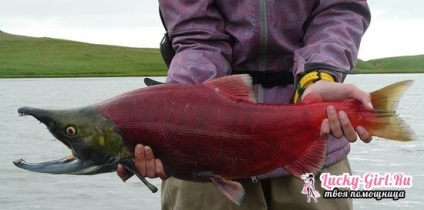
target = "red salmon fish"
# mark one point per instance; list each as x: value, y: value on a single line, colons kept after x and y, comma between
x: 211, y: 132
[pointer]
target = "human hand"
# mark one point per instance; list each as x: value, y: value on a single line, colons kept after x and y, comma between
x: 338, y: 123
x: 145, y: 162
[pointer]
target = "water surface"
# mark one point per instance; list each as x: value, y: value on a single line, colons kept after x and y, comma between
x: 24, y: 137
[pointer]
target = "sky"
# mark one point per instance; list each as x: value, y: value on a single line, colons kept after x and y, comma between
x: 397, y: 27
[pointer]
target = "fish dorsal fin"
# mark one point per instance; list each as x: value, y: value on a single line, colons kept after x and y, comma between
x: 237, y: 87
x: 312, y: 98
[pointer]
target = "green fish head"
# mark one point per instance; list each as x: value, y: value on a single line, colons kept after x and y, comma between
x: 93, y: 139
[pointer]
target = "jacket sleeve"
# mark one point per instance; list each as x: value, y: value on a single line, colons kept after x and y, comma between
x: 332, y: 35
x: 202, y: 48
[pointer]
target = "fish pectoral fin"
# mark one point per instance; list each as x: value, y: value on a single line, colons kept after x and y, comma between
x: 231, y: 189
x: 128, y: 163
x: 311, y: 160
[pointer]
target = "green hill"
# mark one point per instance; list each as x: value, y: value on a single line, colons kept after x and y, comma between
x: 364, y: 66
x: 402, y: 64
x: 22, y: 56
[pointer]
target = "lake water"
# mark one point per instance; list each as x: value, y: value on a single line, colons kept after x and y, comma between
x: 24, y: 137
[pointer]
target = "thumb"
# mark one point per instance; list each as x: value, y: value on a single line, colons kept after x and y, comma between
x: 363, y: 97
x: 123, y: 173
x: 366, y: 101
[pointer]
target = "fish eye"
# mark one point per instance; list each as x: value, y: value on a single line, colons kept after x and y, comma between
x: 71, y: 130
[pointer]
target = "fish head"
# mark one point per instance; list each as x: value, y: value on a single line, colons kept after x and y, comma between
x: 93, y: 139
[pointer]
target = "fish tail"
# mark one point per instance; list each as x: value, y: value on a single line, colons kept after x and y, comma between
x: 385, y: 122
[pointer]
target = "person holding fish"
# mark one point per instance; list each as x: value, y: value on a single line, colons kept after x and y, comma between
x: 292, y: 50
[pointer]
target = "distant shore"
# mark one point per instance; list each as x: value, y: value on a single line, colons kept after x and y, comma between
x: 30, y: 57
x: 145, y: 75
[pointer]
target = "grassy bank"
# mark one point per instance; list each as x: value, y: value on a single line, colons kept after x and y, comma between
x: 402, y: 64
x: 22, y: 56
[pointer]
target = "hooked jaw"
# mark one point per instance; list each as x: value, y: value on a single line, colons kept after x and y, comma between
x: 45, y: 117
x: 71, y: 164
x: 67, y: 165
x: 95, y: 149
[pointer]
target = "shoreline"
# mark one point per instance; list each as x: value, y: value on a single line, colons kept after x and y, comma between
x: 147, y: 75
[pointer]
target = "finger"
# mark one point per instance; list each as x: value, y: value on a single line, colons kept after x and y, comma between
x: 366, y: 101
x: 325, y: 129
x: 333, y: 118
x: 123, y: 173
x: 363, y: 134
x: 150, y: 162
x: 139, y: 160
x: 362, y: 96
x: 160, y: 171
x: 348, y: 130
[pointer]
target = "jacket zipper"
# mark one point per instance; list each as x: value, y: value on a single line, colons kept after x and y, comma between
x: 263, y: 36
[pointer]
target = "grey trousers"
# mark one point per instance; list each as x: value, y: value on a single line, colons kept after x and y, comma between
x: 277, y: 193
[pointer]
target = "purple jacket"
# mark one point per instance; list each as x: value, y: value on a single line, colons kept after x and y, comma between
x: 212, y: 38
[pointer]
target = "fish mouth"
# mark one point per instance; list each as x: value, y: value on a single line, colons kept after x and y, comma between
x: 71, y: 164
x: 67, y: 165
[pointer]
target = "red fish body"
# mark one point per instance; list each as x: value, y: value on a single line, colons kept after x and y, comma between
x: 211, y: 132
x: 199, y: 130
x: 217, y: 129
